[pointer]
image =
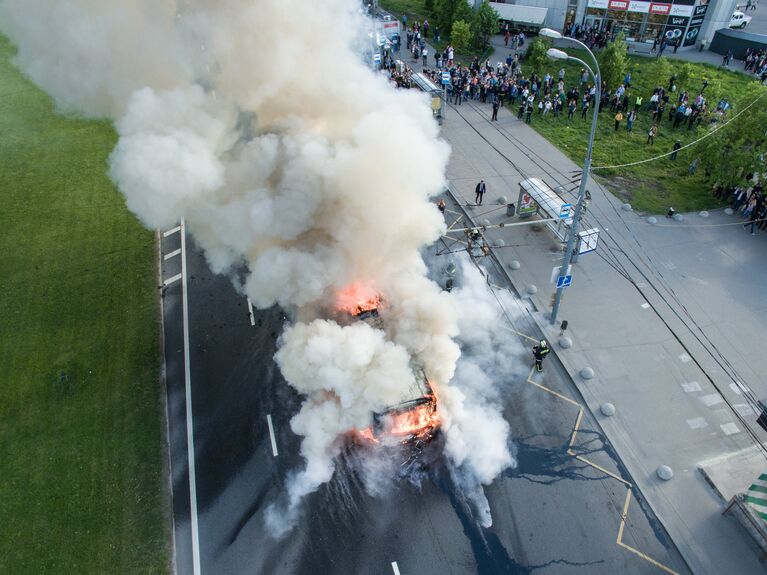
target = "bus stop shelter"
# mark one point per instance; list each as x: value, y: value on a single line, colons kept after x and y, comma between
x: 536, y: 197
x: 425, y: 84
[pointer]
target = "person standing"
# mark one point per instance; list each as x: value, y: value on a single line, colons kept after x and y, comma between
x: 618, y: 120
x: 540, y: 352
x: 424, y: 53
x: 651, y: 135
x: 630, y: 119
x: 677, y: 145
x: 479, y: 191
x: 496, y: 104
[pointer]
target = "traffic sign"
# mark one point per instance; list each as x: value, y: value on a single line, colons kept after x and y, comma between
x: 564, y: 281
x: 445, y: 78
x: 588, y: 240
x: 564, y: 211
x: 377, y: 58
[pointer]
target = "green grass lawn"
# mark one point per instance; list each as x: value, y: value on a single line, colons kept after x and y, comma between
x: 81, y: 456
x: 654, y: 186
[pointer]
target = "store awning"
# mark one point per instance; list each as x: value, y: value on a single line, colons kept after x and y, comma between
x: 531, y: 15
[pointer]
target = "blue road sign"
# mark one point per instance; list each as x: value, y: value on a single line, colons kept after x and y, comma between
x: 564, y: 281
x: 564, y: 211
x: 445, y: 78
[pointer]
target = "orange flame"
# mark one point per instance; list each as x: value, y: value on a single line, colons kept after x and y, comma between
x: 358, y: 298
x: 419, y: 421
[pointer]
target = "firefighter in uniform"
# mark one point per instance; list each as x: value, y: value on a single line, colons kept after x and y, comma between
x: 539, y: 352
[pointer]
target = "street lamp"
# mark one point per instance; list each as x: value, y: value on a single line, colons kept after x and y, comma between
x: 560, y: 55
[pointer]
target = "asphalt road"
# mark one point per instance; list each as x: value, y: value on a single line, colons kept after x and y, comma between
x: 552, y: 514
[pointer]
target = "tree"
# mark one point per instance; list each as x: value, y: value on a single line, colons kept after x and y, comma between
x: 535, y: 57
x: 664, y: 71
x: 460, y: 36
x: 683, y: 76
x: 613, y: 62
x: 428, y: 6
x: 448, y: 11
x: 738, y: 148
x: 484, y: 24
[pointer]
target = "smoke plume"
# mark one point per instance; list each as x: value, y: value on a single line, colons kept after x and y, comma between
x: 288, y: 157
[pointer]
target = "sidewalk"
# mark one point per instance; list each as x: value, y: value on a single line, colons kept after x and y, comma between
x: 633, y: 334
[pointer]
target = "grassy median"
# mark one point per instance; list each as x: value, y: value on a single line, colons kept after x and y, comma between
x: 81, y: 456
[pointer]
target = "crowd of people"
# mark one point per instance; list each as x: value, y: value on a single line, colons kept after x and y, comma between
x: 749, y: 203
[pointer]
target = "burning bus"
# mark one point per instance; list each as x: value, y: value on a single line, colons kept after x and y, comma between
x: 414, y: 419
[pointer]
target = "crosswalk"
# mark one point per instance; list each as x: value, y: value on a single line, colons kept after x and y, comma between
x: 756, y: 496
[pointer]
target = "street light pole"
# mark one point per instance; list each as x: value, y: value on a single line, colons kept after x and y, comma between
x: 567, y: 259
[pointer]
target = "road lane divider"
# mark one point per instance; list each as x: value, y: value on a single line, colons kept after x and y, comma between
x: 271, y: 434
x: 395, y: 568
x: 172, y: 254
x: 171, y: 232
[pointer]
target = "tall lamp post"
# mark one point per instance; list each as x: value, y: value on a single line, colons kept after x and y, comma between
x: 560, y: 55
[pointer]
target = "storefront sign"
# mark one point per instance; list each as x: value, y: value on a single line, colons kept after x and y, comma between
x: 656, y: 8
x: 700, y: 10
x: 680, y: 10
x: 638, y: 6
x: 618, y: 5
x: 598, y: 3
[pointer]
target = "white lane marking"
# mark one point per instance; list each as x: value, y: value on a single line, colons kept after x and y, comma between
x: 250, y: 312
x: 171, y: 232
x: 735, y: 388
x: 691, y: 387
x: 712, y: 399
x: 172, y: 254
x: 744, y: 409
x: 174, y: 279
x: 394, y: 567
x: 271, y: 434
x: 697, y: 423
x: 729, y: 428
x: 645, y: 305
x: 189, y: 417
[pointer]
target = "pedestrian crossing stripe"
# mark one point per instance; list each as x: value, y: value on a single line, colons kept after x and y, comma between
x: 756, y: 496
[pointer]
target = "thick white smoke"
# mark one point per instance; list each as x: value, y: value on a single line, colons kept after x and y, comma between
x: 287, y: 156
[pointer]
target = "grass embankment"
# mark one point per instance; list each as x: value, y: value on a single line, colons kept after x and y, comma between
x: 81, y: 457
x: 653, y: 186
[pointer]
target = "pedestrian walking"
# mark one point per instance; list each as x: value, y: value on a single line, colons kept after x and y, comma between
x: 529, y: 113
x: 651, y: 135
x: 496, y: 105
x: 540, y: 352
x: 479, y: 191
x: 677, y: 145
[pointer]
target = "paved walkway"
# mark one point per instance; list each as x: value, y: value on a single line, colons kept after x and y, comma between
x: 669, y: 316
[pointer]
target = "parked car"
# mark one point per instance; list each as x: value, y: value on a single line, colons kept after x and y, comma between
x: 739, y: 20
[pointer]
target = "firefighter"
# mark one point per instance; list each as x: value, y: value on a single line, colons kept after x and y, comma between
x: 539, y: 352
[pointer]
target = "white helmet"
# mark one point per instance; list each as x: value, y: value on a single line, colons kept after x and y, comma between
x: 543, y: 343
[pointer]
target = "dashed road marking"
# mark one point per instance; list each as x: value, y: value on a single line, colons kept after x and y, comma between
x: 697, y: 423
x: 174, y: 279
x: 250, y: 313
x: 171, y: 232
x: 729, y: 428
x: 395, y: 568
x: 735, y: 388
x: 712, y: 399
x: 172, y: 254
x: 744, y: 409
x: 691, y: 387
x: 271, y: 434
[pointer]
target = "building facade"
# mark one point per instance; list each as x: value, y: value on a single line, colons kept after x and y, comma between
x: 685, y: 21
